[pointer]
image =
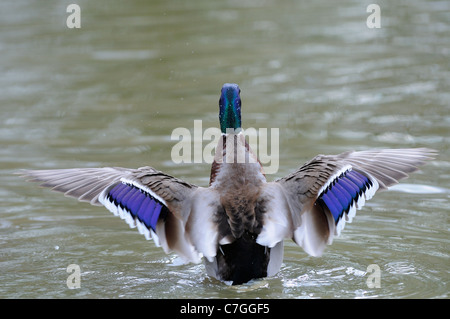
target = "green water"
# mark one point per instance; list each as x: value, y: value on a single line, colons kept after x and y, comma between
x: 111, y: 92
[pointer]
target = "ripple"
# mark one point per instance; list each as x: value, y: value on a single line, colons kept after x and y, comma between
x: 124, y: 55
x: 418, y: 189
x: 401, y: 268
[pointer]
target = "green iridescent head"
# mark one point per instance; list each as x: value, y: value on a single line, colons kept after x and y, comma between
x: 230, y: 108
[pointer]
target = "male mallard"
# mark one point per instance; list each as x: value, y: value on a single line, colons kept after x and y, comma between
x: 239, y: 222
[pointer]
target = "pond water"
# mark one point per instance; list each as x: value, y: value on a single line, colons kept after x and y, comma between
x: 111, y: 92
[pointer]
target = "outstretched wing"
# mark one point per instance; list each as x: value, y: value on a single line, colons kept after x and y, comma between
x: 162, y: 207
x: 312, y: 204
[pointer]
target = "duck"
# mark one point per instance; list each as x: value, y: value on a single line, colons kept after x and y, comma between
x: 238, y: 223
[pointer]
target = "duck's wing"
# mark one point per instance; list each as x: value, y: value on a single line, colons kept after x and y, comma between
x: 312, y: 204
x: 176, y: 214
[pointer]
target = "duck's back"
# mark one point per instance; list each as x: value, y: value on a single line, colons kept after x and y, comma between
x: 238, y: 178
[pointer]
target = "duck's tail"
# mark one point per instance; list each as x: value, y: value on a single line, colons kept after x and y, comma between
x: 240, y: 261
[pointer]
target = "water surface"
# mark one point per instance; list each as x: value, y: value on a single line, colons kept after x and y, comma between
x: 111, y: 92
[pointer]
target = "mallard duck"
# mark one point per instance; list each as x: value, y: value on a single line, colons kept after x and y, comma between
x: 238, y: 223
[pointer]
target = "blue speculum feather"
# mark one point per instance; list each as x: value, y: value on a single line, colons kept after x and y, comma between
x: 126, y: 198
x: 135, y: 202
x: 344, y: 192
x: 146, y: 211
x: 138, y: 203
x: 358, y: 179
x: 353, y: 190
x: 335, y: 211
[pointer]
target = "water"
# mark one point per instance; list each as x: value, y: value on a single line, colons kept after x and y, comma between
x: 111, y: 92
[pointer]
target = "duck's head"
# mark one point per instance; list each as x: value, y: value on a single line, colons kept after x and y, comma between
x: 230, y: 108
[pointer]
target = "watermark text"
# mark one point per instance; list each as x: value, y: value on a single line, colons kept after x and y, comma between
x: 190, y: 147
x: 374, y: 19
x: 73, y: 21
x: 74, y: 279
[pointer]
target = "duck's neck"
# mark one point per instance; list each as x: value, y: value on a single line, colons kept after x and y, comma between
x: 230, y: 120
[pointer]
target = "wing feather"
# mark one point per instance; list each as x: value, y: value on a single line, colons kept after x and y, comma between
x: 159, y: 205
x: 324, y: 194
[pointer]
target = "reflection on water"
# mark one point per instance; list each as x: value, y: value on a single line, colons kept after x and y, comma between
x: 110, y: 94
